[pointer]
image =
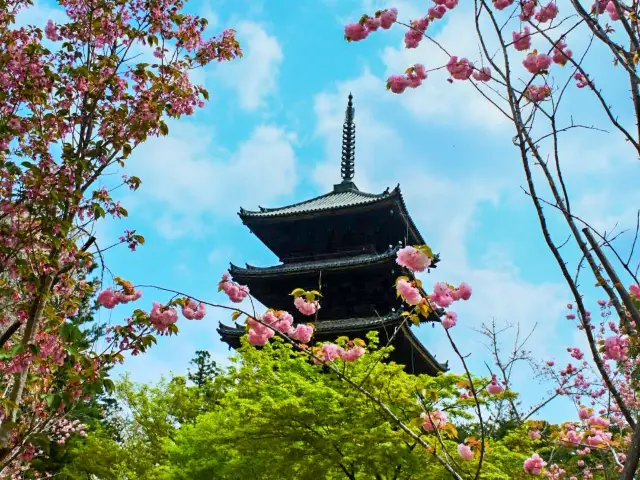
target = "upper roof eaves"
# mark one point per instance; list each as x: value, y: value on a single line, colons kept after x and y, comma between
x: 334, y: 200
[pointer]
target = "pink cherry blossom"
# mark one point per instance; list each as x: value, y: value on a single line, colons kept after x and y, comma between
x: 51, y: 31
x: 413, y: 259
x: 616, y: 347
x: 415, y: 75
x: 462, y: 292
x: 634, y: 291
x: 465, y: 452
x: 283, y: 322
x: 193, y: 310
x: 331, y: 351
x: 482, y: 75
x: 534, y: 464
x: 502, y: 4
x: 434, y: 420
x: 388, y: 18
x: 459, y: 69
x: 259, y: 339
x: 351, y: 354
x: 437, y: 12
x: 408, y: 292
x: 575, y: 352
x: 236, y: 292
x: 108, y: 298
x: 162, y: 316
x: 414, y: 35
x: 584, y: 413
x: 547, y: 12
x: 535, y: 434
x: 537, y: 62
x: 561, y: 53
x: 372, y: 23
x: 537, y: 93
x: 305, y: 307
x: 397, y: 83
x: 528, y: 8
x: 302, y: 333
x: 494, y: 388
x: 354, y: 32
x: 522, y: 40
x: 449, y: 320
x: 259, y: 334
x: 581, y: 80
x: 599, y: 6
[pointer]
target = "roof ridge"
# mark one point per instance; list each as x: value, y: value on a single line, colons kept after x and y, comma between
x: 354, y: 193
x: 337, y: 261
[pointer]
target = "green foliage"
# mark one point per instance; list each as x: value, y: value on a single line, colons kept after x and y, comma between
x: 274, y: 415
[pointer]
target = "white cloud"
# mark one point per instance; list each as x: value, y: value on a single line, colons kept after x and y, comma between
x: 254, y: 77
x: 39, y: 14
x: 190, y: 180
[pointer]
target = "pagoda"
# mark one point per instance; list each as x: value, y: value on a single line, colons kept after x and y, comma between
x: 343, y: 244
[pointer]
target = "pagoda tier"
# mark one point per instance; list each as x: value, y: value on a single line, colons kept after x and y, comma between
x: 343, y: 222
x: 408, y: 350
x: 352, y: 286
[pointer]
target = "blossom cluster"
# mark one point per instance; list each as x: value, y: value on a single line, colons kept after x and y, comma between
x: 259, y: 332
x: 236, y: 292
x: 382, y: 19
x: 109, y: 298
x: 328, y: 352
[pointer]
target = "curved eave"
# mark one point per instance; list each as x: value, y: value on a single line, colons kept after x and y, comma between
x: 329, y: 326
x: 422, y: 351
x: 412, y: 225
x: 324, y: 203
x: 312, y: 267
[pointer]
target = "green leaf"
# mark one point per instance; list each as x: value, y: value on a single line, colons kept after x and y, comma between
x: 298, y: 292
x: 235, y: 316
x: 126, y: 149
x: 425, y: 249
x: 53, y: 401
x: 109, y: 386
x: 164, y: 129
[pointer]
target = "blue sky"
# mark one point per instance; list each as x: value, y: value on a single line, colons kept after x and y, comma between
x: 271, y: 134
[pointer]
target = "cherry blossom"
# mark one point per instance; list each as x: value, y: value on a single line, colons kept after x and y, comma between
x: 435, y: 420
x: 547, y: 12
x: 534, y: 464
x: 537, y: 62
x: 413, y: 259
x: 493, y: 387
x: 465, y: 451
x: 236, y: 292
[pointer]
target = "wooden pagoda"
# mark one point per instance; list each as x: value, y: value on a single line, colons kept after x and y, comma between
x: 344, y: 244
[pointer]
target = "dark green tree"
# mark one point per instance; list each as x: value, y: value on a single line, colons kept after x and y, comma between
x: 206, y: 369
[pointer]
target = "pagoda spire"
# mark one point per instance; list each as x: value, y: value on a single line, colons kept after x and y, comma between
x: 348, y: 143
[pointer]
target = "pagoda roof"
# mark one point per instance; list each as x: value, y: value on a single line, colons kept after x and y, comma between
x: 344, y: 199
x: 353, y: 325
x: 339, y: 198
x: 315, y: 265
